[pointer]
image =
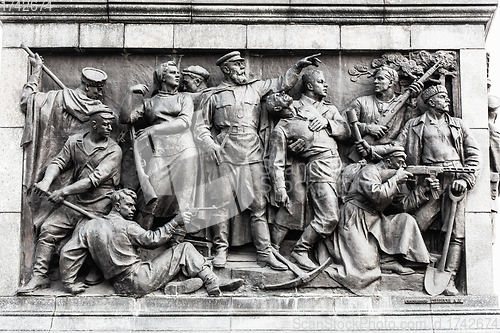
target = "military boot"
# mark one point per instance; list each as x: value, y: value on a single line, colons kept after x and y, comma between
x: 221, y: 242
x: 389, y: 264
x: 215, y: 286
x: 300, y: 253
x: 452, y: 265
x: 262, y: 241
x: 183, y: 287
x: 278, y: 234
x: 40, y: 278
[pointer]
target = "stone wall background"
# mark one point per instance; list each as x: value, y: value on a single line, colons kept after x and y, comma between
x: 353, y: 28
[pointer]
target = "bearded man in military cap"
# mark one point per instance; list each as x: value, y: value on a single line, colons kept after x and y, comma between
x: 232, y: 130
x: 438, y: 139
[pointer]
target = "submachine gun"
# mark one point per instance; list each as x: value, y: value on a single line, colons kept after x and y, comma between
x: 433, y: 171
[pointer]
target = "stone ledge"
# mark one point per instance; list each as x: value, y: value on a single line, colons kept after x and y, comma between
x: 245, y: 314
x: 257, y: 12
x: 233, y: 305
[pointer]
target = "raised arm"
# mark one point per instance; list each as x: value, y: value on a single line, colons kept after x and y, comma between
x: 128, y: 113
x: 32, y: 85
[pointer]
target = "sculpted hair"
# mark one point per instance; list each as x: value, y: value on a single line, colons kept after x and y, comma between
x: 310, y: 75
x: 392, y: 74
x: 119, y: 195
x: 160, y: 72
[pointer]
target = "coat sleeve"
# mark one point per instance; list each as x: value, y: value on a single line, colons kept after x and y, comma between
x: 471, y: 156
x: 374, y: 189
x: 277, y: 157
x: 150, y: 239
x: 337, y: 125
x: 282, y: 83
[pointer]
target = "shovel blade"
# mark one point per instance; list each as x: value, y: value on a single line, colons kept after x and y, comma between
x: 435, y: 281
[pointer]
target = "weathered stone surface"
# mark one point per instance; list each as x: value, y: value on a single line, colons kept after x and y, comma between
x: 446, y: 36
x: 474, y: 97
x: 372, y: 37
x: 40, y: 35
x: 13, y: 76
x: 94, y: 305
x: 478, y: 257
x: 10, y: 251
x: 479, y: 198
x: 93, y: 324
x: 171, y: 12
x: 249, y: 314
x: 210, y: 36
x: 11, y: 172
x: 281, y: 37
x: 101, y: 35
x: 194, y: 324
x: 155, y: 36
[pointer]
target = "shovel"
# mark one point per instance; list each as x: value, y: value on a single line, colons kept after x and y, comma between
x: 436, y: 279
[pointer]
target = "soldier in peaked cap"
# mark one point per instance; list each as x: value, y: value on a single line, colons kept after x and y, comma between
x: 231, y: 129
x: 95, y: 161
x: 194, y: 79
x: 438, y: 139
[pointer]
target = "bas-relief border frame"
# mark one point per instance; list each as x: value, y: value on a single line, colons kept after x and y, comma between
x: 468, y: 40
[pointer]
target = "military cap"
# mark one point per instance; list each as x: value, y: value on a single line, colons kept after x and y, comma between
x: 493, y: 103
x: 197, y: 71
x: 231, y: 56
x: 103, y: 110
x: 94, y: 76
x: 395, y: 151
x: 433, y: 90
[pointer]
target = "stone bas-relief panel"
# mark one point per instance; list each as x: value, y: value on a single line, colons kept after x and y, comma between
x: 245, y: 173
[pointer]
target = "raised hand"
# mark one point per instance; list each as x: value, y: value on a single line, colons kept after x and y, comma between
x: 308, y: 61
x: 139, y: 89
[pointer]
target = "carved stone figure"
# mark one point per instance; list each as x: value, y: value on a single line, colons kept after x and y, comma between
x: 172, y: 165
x: 437, y: 139
x: 113, y: 241
x: 363, y: 229
x: 95, y: 160
x: 194, y: 79
x: 322, y: 123
x: 382, y: 114
x: 494, y: 130
x: 51, y: 118
x: 232, y: 129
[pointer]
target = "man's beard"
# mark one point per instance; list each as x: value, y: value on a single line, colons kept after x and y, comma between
x: 238, y: 78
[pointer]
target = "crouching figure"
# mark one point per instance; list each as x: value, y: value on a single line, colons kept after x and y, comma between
x: 113, y: 241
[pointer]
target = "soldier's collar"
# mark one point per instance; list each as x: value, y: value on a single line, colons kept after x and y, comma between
x: 311, y: 100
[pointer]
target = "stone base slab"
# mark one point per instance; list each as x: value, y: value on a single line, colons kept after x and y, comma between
x: 249, y: 314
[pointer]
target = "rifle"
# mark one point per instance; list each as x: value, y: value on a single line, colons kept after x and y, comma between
x: 45, y: 69
x: 147, y: 189
x: 433, y: 171
x: 196, y: 210
x: 401, y: 100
